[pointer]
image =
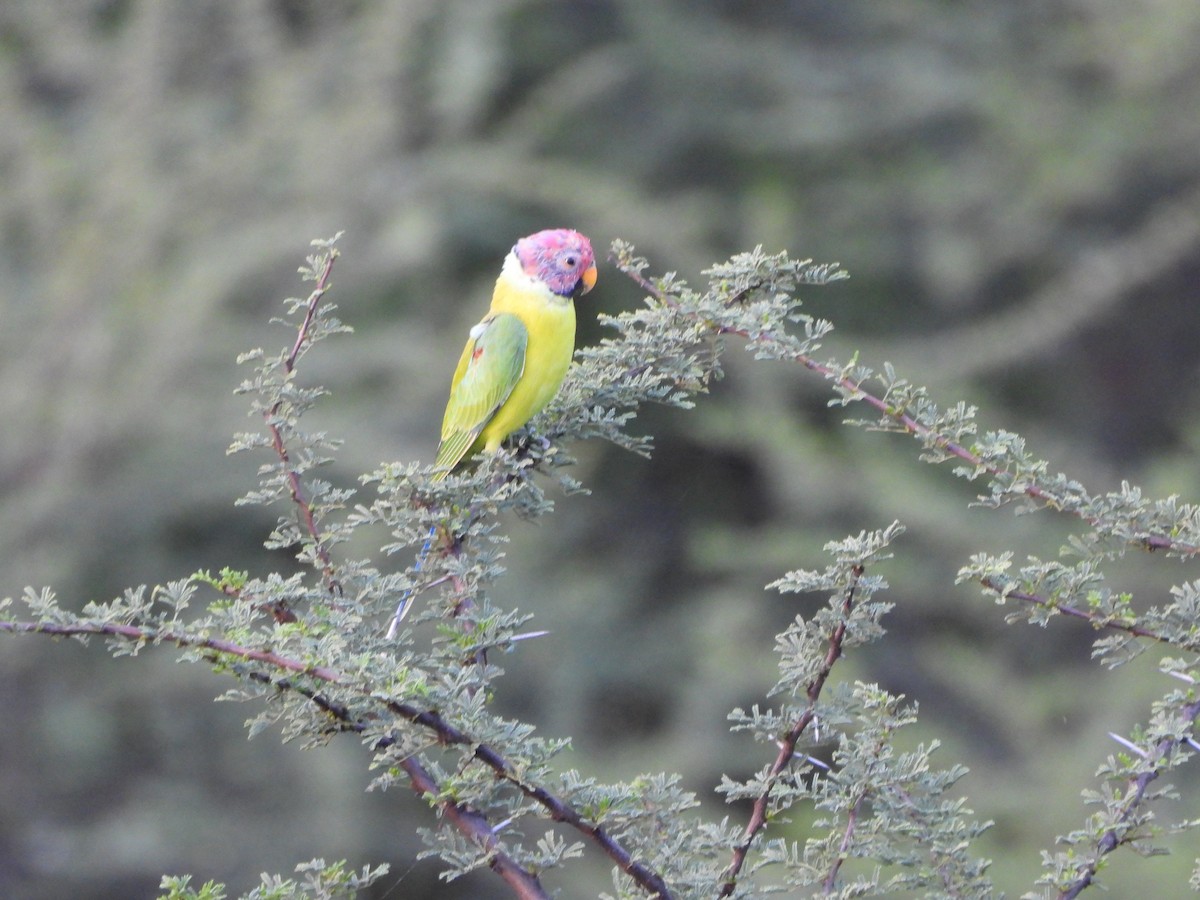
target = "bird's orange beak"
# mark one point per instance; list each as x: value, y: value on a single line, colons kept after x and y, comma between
x: 587, y: 280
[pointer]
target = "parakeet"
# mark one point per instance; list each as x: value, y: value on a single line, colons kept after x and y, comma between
x: 517, y: 356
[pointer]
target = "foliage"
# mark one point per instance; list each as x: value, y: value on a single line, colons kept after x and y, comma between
x: 309, y: 648
x: 319, y: 882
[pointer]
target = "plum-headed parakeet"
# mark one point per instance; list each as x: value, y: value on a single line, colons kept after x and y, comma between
x: 516, y: 358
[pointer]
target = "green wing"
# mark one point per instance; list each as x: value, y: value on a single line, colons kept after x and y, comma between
x: 490, y: 367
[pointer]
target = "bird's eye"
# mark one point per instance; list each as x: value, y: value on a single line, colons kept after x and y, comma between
x: 570, y: 261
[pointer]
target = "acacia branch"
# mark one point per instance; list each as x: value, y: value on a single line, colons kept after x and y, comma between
x: 270, y: 416
x: 907, y: 423
x: 468, y: 821
x: 787, y: 744
x: 843, y: 848
x: 142, y: 635
x: 1112, y: 837
x: 474, y: 825
x: 1099, y: 620
x: 1115, y: 836
x: 558, y: 809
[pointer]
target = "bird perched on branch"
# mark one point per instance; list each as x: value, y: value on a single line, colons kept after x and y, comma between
x: 517, y: 356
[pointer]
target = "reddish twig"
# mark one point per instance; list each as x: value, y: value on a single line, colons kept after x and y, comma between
x: 844, y: 847
x: 787, y: 745
x: 295, y: 486
x: 150, y: 636
x: 475, y: 826
x: 1098, y: 620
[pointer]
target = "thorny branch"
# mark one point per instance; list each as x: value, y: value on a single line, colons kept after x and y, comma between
x: 295, y: 486
x: 1035, y: 491
x: 1115, y: 836
x: 475, y: 826
x: 830, y: 881
x: 1098, y: 620
x: 1112, y: 838
x: 909, y: 424
x: 469, y: 822
x: 787, y: 744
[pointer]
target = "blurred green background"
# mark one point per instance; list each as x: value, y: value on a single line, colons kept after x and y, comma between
x: 1013, y: 186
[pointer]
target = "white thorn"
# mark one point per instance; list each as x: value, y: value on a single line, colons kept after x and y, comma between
x: 500, y: 826
x: 401, y: 611
x: 527, y: 636
x: 1128, y: 743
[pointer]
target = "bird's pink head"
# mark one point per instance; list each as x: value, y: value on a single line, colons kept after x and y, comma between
x: 562, y: 259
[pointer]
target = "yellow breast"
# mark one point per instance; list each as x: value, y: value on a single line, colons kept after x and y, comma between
x: 550, y: 321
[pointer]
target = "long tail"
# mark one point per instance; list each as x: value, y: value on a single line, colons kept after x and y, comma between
x: 405, y: 603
